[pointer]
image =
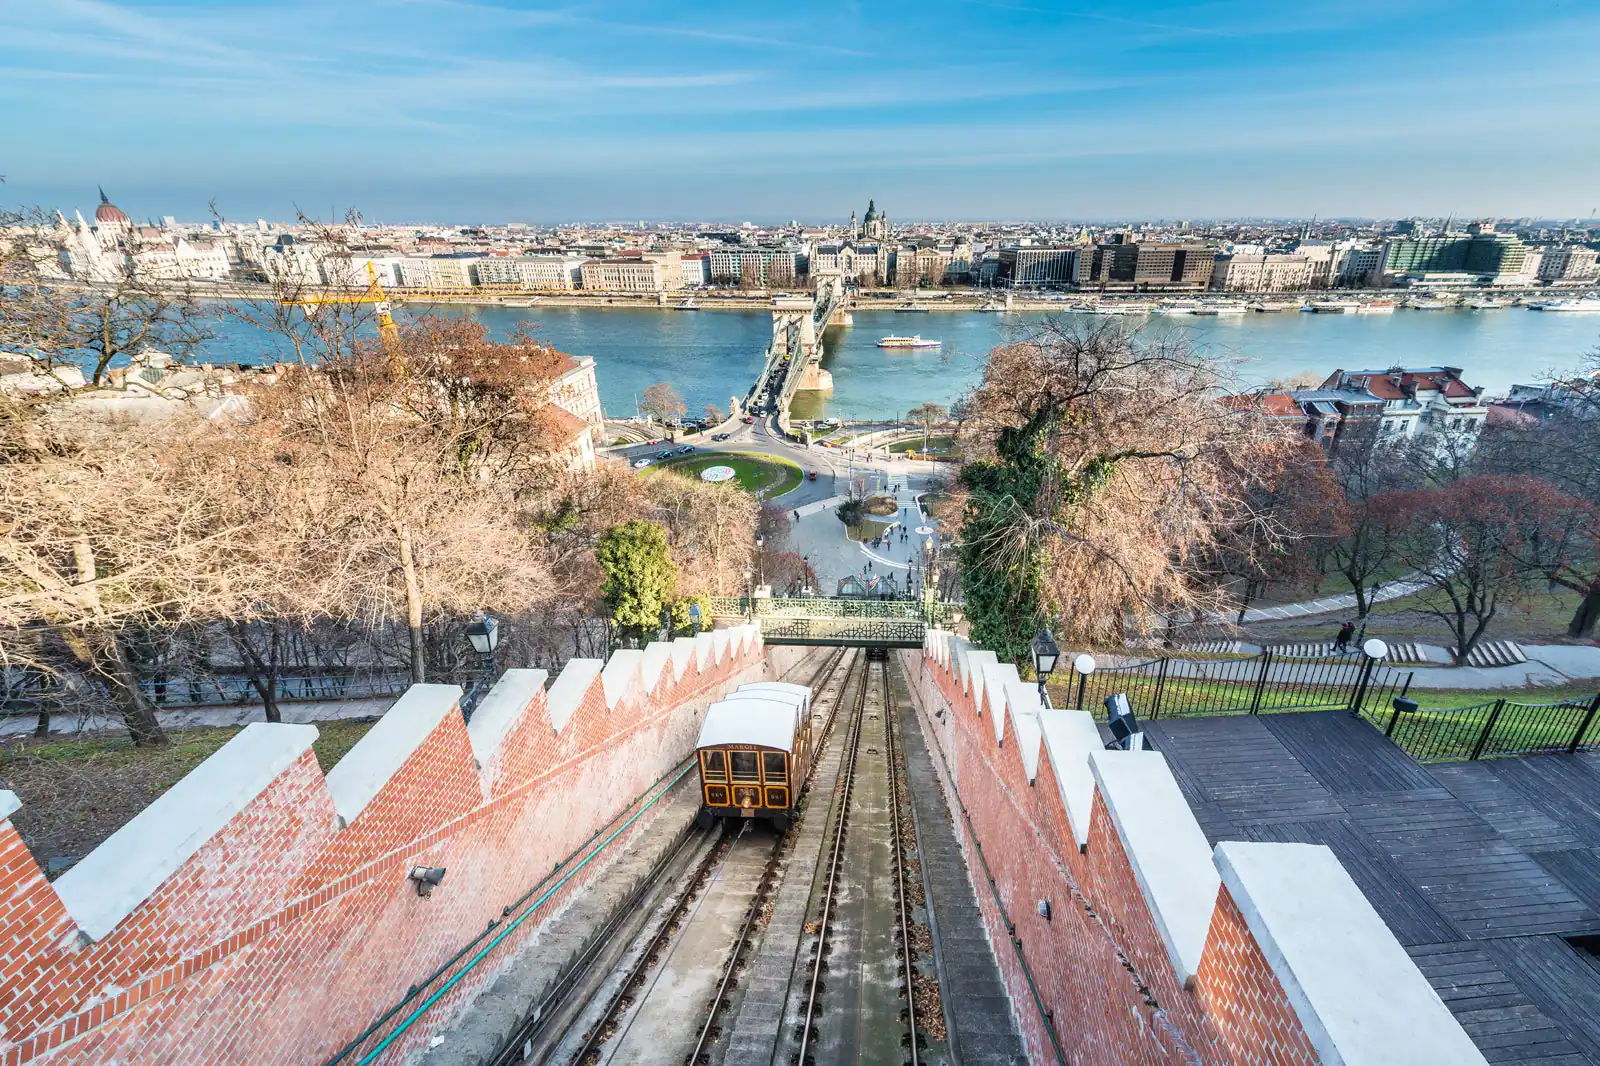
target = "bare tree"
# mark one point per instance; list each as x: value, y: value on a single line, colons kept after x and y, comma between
x: 1104, y: 473
x: 661, y: 401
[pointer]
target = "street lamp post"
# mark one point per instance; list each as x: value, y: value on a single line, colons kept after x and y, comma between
x: 483, y: 634
x: 1083, y: 665
x: 750, y: 593
x: 1045, y: 654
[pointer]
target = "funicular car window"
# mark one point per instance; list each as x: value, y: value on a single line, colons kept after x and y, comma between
x: 772, y: 763
x: 744, y: 765
x: 716, y: 768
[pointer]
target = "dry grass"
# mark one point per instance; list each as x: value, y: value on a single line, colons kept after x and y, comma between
x: 76, y: 793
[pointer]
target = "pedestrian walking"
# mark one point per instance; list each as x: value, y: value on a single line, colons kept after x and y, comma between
x: 1341, y: 643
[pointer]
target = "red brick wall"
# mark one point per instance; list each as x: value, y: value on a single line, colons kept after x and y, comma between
x: 284, y: 936
x: 1098, y: 963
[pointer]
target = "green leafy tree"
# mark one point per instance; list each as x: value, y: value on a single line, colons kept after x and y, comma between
x: 641, y: 578
x: 1002, y: 571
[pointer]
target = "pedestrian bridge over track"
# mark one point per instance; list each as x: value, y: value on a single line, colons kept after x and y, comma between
x: 837, y: 620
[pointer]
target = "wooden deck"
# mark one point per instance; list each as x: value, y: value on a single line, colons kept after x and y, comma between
x: 1481, y: 869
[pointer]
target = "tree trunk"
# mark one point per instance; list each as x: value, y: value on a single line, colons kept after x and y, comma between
x: 408, y: 565
x: 263, y: 675
x: 1362, y: 606
x: 103, y: 654
x: 1587, y: 614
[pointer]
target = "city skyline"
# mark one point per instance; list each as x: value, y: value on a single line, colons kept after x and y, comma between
x: 446, y: 111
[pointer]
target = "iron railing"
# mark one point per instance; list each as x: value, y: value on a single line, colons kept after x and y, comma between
x: 1172, y: 687
x: 943, y: 613
x: 222, y: 690
x: 1493, y: 729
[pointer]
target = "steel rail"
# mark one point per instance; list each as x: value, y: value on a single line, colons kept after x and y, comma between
x: 533, y: 1026
x: 598, y: 1032
x: 765, y: 888
x: 892, y: 751
x: 836, y: 855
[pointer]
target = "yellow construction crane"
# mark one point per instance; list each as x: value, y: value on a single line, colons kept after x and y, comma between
x: 388, y: 332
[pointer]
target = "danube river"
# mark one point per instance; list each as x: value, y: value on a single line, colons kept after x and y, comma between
x: 709, y: 356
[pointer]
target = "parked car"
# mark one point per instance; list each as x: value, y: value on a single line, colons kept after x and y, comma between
x: 747, y: 420
x: 668, y: 454
x: 719, y: 436
x: 686, y: 449
x: 640, y: 464
x: 653, y: 440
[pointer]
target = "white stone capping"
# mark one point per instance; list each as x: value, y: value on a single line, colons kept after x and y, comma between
x: 566, y: 695
x: 720, y: 644
x: 1359, y: 997
x: 703, y: 650
x: 1022, y: 701
x: 1069, y: 738
x: 656, y: 656
x: 620, y: 674
x: 114, y: 878
x: 975, y: 664
x: 501, y: 710
x: 379, y: 754
x: 682, y: 652
x: 1170, y: 857
x: 996, y: 676
x: 9, y: 803
x: 970, y: 659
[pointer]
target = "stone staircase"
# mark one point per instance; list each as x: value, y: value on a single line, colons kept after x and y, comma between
x: 1494, y: 653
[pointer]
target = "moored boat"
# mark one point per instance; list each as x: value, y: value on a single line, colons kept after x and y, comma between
x: 1585, y: 305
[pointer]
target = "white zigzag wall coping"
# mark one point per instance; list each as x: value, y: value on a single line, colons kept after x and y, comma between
x: 1329, y: 949
x: 1358, y: 995
x: 501, y: 710
x: 109, y: 882
x: 1166, y: 849
x: 383, y: 749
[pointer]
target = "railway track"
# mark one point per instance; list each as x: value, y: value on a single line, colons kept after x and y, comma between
x: 624, y: 998
x: 857, y: 991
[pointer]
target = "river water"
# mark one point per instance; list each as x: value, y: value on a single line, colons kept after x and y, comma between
x: 709, y: 356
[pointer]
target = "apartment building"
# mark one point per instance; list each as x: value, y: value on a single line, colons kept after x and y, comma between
x: 624, y: 275
x: 530, y: 272
x: 1573, y: 263
x: 1262, y: 273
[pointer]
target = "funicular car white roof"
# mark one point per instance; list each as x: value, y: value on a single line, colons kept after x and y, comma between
x: 752, y: 719
x: 779, y: 687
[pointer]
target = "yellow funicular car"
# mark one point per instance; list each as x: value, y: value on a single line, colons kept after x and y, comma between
x: 755, y: 750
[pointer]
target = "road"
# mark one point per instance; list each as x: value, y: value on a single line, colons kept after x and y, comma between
x: 834, y: 467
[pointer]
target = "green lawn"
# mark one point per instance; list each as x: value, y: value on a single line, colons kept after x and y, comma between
x: 866, y: 529
x: 1542, y: 618
x: 764, y: 473
x: 940, y: 446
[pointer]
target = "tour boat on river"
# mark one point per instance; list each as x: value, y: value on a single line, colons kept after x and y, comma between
x: 907, y: 342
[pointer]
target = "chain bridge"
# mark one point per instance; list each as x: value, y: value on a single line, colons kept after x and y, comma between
x: 837, y: 620
x: 794, y: 358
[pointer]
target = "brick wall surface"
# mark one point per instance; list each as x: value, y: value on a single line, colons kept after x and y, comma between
x: 1098, y: 964
x: 285, y: 935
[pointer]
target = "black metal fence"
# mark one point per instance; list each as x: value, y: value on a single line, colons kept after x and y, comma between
x: 1489, y: 730
x: 1171, y: 687
x: 215, y: 690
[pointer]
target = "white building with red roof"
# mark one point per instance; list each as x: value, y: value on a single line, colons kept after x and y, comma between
x: 1418, y: 401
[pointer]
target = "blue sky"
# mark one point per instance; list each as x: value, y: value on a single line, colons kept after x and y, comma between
x: 472, y: 111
